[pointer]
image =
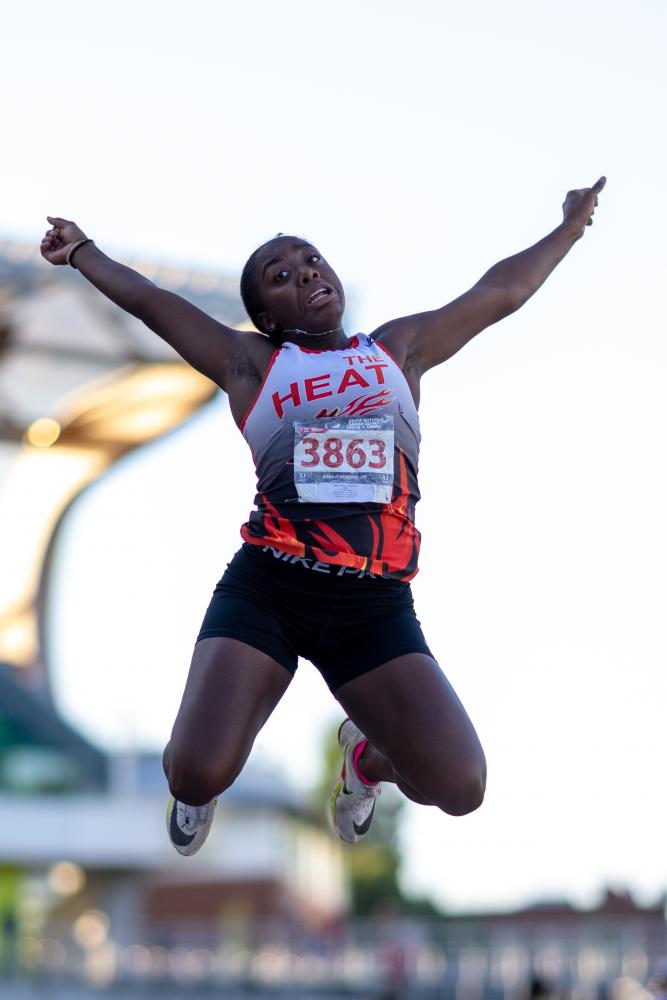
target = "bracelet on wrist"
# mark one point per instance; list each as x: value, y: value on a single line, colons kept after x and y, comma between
x: 73, y: 250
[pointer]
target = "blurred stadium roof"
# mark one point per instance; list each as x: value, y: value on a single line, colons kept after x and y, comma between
x: 81, y: 384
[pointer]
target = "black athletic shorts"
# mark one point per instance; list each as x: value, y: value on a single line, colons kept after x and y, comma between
x: 344, y: 621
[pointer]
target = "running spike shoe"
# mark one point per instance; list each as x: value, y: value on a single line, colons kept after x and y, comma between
x: 352, y: 800
x: 188, y: 826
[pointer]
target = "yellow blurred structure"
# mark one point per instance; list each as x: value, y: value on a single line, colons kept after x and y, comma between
x: 81, y: 385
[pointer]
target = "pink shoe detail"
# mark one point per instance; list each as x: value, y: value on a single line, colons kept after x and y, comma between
x: 358, y: 750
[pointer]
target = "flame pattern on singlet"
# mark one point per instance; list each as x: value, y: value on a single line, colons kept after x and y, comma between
x: 303, y: 384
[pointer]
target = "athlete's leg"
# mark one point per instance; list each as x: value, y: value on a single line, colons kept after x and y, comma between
x: 419, y: 733
x: 230, y: 692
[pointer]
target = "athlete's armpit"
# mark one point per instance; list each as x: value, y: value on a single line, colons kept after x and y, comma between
x: 426, y: 339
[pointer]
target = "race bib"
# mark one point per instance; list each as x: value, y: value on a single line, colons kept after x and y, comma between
x: 344, y: 459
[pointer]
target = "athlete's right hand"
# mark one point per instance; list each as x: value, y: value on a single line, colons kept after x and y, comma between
x: 60, y: 239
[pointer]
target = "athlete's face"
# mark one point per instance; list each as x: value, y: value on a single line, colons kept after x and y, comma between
x: 299, y: 290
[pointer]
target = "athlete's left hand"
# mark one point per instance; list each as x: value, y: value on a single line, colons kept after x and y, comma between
x: 60, y: 239
x: 579, y: 205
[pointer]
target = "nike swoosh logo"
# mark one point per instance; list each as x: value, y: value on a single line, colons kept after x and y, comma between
x: 346, y: 790
x: 365, y: 826
x: 176, y: 834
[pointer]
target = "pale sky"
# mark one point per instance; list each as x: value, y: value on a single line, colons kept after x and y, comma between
x: 415, y: 145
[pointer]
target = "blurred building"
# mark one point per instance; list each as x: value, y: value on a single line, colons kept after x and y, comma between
x: 559, y: 943
x: 40, y: 753
x: 267, y: 857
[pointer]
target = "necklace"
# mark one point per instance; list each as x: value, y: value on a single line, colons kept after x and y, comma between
x: 305, y: 333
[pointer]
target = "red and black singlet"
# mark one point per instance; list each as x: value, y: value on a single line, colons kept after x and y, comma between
x: 335, y: 439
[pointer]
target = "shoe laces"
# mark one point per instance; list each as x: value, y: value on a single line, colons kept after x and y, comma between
x: 191, y: 818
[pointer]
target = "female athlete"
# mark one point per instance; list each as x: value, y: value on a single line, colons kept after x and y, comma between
x: 330, y: 548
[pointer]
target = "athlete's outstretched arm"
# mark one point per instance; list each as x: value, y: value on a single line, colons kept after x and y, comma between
x: 207, y: 345
x: 426, y: 339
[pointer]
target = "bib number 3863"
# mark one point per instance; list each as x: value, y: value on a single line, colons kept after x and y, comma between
x: 344, y: 459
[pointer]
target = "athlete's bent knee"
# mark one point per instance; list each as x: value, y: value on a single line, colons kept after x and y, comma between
x: 197, y: 782
x: 460, y: 790
x: 466, y: 795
